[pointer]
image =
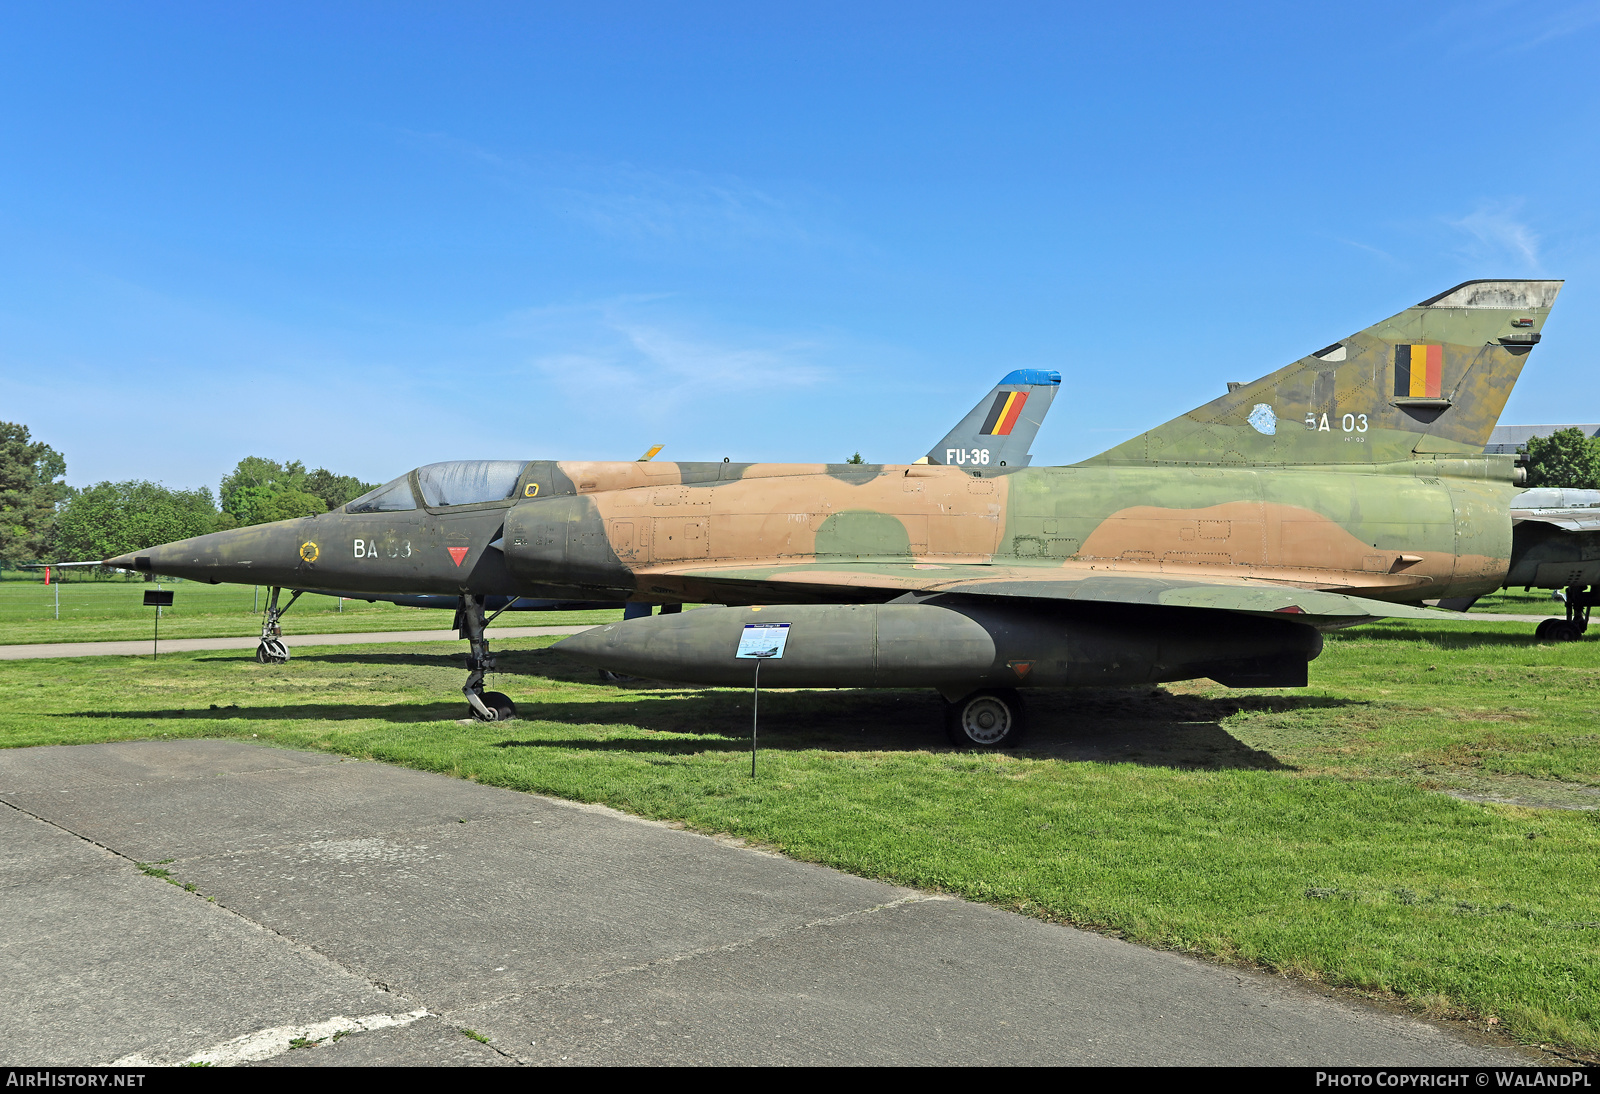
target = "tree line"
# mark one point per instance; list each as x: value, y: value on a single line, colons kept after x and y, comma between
x: 44, y: 519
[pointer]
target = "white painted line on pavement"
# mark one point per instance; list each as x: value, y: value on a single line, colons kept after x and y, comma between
x: 268, y: 1043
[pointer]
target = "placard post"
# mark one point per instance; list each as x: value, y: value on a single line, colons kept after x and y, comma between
x: 759, y: 642
x: 157, y: 599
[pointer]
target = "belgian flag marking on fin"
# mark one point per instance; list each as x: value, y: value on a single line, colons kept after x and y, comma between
x: 1417, y: 371
x: 1004, y: 413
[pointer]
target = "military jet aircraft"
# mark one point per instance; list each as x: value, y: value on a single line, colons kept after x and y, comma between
x: 1346, y: 486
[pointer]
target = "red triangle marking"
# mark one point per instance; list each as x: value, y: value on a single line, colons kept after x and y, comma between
x: 1021, y: 668
x: 458, y: 553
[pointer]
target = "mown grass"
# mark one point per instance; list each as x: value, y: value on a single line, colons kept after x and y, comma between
x: 113, y: 610
x: 1519, y: 602
x: 1303, y: 831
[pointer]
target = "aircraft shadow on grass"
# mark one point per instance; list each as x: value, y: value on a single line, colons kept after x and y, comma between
x: 1123, y: 725
x: 1143, y: 726
x: 1453, y: 637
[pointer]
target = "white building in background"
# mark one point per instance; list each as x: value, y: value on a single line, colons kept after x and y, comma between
x: 1510, y: 438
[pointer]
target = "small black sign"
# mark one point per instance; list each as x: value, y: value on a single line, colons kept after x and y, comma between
x: 154, y: 599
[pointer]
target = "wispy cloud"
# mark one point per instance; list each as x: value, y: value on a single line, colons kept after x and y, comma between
x: 1385, y: 255
x: 1516, y: 24
x: 629, y: 202
x: 681, y: 206
x: 655, y: 365
x: 1496, y: 233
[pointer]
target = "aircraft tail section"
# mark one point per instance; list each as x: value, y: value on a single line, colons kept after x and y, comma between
x: 1429, y: 381
x: 1000, y: 429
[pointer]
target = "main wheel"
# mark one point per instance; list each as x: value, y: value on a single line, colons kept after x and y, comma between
x: 992, y: 718
x: 1562, y: 631
x: 1542, y: 631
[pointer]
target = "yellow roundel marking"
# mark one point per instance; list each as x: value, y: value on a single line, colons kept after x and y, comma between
x: 308, y: 551
x: 531, y: 490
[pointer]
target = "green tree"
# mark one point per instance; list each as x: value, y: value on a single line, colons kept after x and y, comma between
x: 260, y: 490
x: 29, y: 493
x: 113, y: 518
x: 855, y: 459
x: 246, y: 493
x: 1567, y: 457
x: 333, y: 489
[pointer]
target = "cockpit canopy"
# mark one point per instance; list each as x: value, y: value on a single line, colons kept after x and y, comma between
x: 459, y: 482
x: 391, y: 497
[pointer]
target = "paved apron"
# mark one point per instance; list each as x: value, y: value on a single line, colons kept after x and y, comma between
x: 334, y: 894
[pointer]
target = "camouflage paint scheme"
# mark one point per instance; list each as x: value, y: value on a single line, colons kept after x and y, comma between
x: 1313, y: 492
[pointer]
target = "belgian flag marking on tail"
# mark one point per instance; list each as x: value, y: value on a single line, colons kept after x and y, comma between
x: 1417, y: 371
x: 1003, y: 414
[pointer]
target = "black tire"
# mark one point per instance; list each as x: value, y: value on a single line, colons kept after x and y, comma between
x: 991, y: 718
x: 1542, y: 631
x: 1562, y: 631
x: 272, y: 652
x: 501, y: 709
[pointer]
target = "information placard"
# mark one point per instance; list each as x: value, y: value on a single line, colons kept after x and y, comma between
x: 763, y: 640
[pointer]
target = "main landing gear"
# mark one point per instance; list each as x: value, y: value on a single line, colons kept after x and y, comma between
x: 272, y: 651
x: 991, y: 718
x: 1579, y: 601
x: 484, y: 706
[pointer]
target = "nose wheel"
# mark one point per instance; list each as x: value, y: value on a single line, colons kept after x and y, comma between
x: 271, y: 650
x: 482, y: 706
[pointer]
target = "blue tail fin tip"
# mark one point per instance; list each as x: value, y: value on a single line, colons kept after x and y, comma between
x: 1031, y: 376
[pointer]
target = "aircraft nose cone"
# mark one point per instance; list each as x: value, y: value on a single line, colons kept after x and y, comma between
x: 131, y: 561
x: 234, y: 555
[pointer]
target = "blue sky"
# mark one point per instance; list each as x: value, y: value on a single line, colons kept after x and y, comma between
x: 370, y: 236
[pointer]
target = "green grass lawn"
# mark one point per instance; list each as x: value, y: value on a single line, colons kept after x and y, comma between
x: 108, y: 611
x: 1342, y: 833
x: 1517, y: 602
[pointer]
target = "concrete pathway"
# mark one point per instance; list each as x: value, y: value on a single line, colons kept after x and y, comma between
x: 314, y: 895
x: 142, y: 647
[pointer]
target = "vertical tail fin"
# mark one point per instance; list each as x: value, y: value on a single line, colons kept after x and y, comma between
x: 1432, y: 379
x: 1000, y: 429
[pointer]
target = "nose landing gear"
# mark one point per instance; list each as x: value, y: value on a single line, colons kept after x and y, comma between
x: 272, y: 651
x: 483, y: 706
